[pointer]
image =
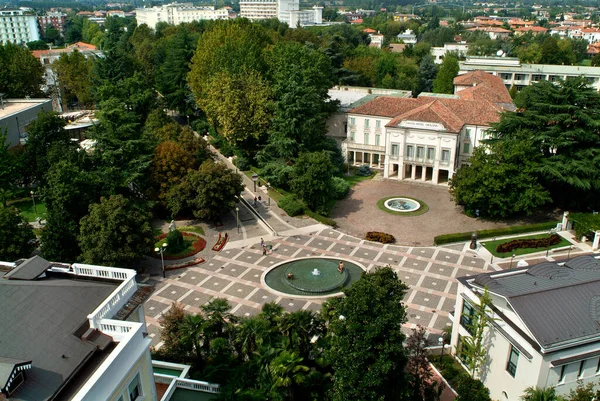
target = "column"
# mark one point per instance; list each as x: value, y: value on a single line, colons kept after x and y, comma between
x: 435, y: 176
x: 401, y: 171
x: 450, y: 173
x: 423, y: 173
x: 596, y: 241
x: 414, y: 172
x: 565, y: 220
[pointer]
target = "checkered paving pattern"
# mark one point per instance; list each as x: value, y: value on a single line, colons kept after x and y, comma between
x: 235, y: 274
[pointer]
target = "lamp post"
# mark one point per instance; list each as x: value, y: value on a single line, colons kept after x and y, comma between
x: 569, y: 253
x: 254, y: 179
x: 441, y: 342
x: 34, y: 207
x: 511, y: 260
x: 268, y: 195
x: 161, y: 250
x: 237, y: 218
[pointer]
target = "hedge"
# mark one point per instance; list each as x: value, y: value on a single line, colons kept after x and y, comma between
x: 495, y: 232
x: 528, y: 243
x: 291, y: 205
x: 380, y: 237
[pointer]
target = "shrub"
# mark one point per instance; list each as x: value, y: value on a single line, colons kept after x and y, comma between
x: 495, y: 232
x: 470, y: 389
x: 242, y: 162
x: 380, y: 237
x: 277, y: 174
x: 221, y: 143
x: 291, y: 205
x: 529, y: 243
x: 201, y: 126
x: 364, y: 170
x: 175, y: 241
x: 585, y: 223
x: 339, y: 187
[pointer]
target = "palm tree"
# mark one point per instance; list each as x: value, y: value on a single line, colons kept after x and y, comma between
x: 219, y: 320
x: 192, y: 332
x: 287, y: 325
x: 250, y: 334
x: 540, y: 394
x: 288, y: 372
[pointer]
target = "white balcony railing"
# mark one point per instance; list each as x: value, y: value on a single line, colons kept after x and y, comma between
x: 190, y: 385
x: 117, y: 329
x: 363, y: 147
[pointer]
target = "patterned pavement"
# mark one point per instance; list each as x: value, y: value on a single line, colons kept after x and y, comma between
x: 235, y: 274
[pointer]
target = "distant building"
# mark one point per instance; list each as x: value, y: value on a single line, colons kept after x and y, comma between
x: 256, y: 10
x: 544, y: 330
x: 376, y: 40
x: 512, y: 72
x: 535, y: 30
x: 18, y: 26
x: 408, y: 37
x: 17, y: 114
x: 405, y: 17
x: 286, y: 11
x: 493, y: 32
x: 55, y: 20
x: 176, y: 14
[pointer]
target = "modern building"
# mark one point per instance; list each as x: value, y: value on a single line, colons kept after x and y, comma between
x: 438, y: 53
x: 18, y: 26
x: 258, y: 9
x: 512, y: 72
x: 78, y: 332
x: 287, y: 11
x: 429, y: 137
x: 176, y: 14
x: 408, y: 37
x: 17, y: 114
x: 56, y: 20
x: 544, y: 330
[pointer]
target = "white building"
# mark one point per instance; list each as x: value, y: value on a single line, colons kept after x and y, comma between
x: 17, y: 114
x: 512, y: 72
x: 429, y: 137
x: 77, y: 332
x: 258, y: 9
x: 545, y: 331
x: 176, y: 14
x: 408, y: 37
x: 18, y: 26
x: 287, y: 11
x: 438, y: 53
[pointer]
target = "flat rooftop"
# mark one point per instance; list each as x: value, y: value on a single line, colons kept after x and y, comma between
x: 15, y: 106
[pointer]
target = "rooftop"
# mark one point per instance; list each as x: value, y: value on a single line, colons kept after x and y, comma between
x: 559, y: 304
x: 14, y: 106
x: 509, y: 64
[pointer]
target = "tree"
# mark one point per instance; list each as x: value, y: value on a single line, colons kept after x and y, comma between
x: 21, y: 74
x: 288, y: 372
x: 444, y: 82
x: 312, y: 177
x: 169, y: 166
x: 171, y: 334
x: 208, y: 192
x: 9, y: 172
x: 192, y: 333
x: 366, y: 341
x: 540, y: 394
x: 116, y: 232
x: 421, y: 383
x: 427, y: 74
x: 52, y: 34
x: 37, y: 45
x: 18, y: 240
x: 73, y: 78
x: 500, y: 183
x: 470, y: 389
x: 584, y: 393
x: 474, y: 350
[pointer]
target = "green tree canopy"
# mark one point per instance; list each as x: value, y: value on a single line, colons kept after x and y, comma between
x: 17, y: 235
x: 444, y: 82
x: 73, y: 78
x: 21, y: 74
x: 312, y: 178
x: 115, y: 233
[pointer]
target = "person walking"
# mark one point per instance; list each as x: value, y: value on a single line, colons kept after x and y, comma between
x: 264, y: 250
x: 262, y: 242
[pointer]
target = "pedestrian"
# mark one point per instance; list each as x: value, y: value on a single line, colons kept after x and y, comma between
x: 264, y: 250
x: 262, y: 242
x: 341, y: 267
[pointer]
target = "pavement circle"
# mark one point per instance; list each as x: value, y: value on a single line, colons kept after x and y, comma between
x: 349, y: 265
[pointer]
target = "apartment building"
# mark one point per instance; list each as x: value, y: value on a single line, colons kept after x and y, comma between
x: 56, y: 20
x: 429, y: 137
x: 287, y: 11
x: 544, y: 331
x: 512, y: 72
x: 18, y: 26
x: 176, y: 14
x: 258, y: 9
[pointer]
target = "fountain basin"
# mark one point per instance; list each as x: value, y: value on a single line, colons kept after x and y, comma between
x: 297, y: 277
x: 402, y: 205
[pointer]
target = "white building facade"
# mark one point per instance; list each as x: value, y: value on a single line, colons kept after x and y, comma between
x: 176, y: 14
x: 544, y: 331
x: 286, y: 11
x: 438, y: 53
x: 18, y: 26
x: 258, y: 9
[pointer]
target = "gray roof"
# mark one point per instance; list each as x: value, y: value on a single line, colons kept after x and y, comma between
x: 558, y: 304
x: 30, y: 269
x: 7, y: 367
x: 572, y: 70
x: 38, y: 321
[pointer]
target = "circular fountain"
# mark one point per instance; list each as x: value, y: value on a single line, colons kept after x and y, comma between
x: 402, y: 205
x: 312, y: 276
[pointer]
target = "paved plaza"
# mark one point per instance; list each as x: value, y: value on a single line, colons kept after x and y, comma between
x: 235, y: 274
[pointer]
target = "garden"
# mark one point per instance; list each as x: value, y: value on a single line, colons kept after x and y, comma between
x: 505, y: 248
x: 179, y: 244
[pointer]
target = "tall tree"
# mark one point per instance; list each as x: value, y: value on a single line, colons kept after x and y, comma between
x: 444, y: 82
x: 73, y: 78
x: 312, y: 178
x: 115, y: 233
x: 288, y: 372
x: 427, y: 74
x: 474, y: 347
x: 169, y: 166
x: 420, y: 376
x: 17, y: 235
x: 21, y: 74
x: 367, y: 355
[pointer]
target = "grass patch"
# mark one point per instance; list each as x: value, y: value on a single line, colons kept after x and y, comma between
x: 27, y: 211
x: 491, y: 246
x: 192, y: 229
x: 321, y: 219
x: 355, y: 179
x: 423, y: 209
x: 189, y: 240
x: 494, y: 232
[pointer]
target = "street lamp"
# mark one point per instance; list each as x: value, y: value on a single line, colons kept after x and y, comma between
x: 161, y: 250
x: 441, y: 342
x: 511, y: 260
x: 237, y: 218
x: 254, y: 179
x: 34, y: 207
x: 268, y: 195
x: 569, y: 253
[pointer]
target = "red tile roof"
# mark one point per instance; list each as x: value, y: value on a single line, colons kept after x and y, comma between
x: 487, y: 86
x: 531, y: 28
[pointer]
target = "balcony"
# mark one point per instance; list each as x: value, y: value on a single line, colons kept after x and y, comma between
x: 363, y: 147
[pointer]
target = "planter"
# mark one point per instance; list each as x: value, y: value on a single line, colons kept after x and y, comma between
x: 198, y: 245
x: 221, y: 241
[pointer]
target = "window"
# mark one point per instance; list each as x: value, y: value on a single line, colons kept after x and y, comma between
x: 581, y: 366
x: 420, y: 152
x: 511, y: 366
x: 366, y: 123
x: 563, y: 369
x: 410, y: 151
x: 506, y: 76
x: 134, y: 388
x: 351, y: 136
x: 520, y: 77
x: 445, y: 155
x: 395, y: 149
x: 460, y: 350
x: 468, y: 133
x: 430, y: 153
x: 377, y: 123
x: 466, y: 317
x: 377, y: 139
x: 467, y: 148
x: 554, y: 78
x: 352, y: 121
x: 537, y: 77
x: 366, y: 138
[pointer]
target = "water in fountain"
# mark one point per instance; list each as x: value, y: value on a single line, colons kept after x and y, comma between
x: 316, y: 272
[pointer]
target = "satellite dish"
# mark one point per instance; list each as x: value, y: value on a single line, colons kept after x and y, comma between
x: 499, y: 53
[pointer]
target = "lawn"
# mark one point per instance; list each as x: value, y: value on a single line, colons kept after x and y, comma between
x: 355, y: 179
x: 27, y: 211
x: 491, y: 245
x: 188, y: 240
x: 192, y: 229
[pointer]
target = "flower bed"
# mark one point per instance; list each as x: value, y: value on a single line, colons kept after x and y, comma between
x: 198, y: 244
x: 529, y: 243
x: 380, y: 237
x: 192, y: 262
x: 220, y: 242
